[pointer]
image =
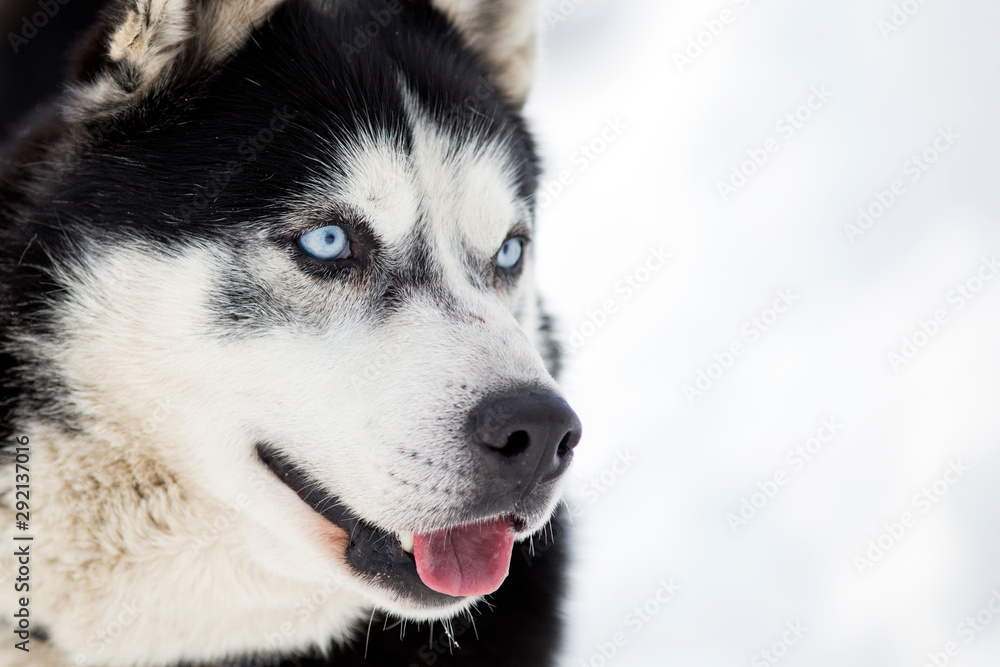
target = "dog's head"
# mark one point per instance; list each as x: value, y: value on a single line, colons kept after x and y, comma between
x: 300, y: 234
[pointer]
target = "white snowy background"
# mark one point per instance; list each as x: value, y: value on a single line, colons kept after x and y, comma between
x: 883, y: 548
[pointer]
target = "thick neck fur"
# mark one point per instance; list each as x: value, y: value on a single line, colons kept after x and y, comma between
x: 132, y: 538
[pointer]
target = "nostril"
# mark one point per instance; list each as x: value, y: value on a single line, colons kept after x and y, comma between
x: 517, y: 443
x: 567, y: 444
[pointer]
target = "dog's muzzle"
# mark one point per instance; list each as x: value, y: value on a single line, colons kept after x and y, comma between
x: 522, y: 443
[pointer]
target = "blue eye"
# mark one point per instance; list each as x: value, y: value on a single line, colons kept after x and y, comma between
x: 326, y: 243
x: 510, y: 254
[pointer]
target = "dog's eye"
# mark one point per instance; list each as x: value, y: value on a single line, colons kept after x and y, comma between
x: 326, y: 243
x: 510, y: 254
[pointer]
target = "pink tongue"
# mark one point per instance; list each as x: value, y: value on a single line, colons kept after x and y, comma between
x: 466, y: 560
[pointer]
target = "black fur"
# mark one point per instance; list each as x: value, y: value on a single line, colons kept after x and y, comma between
x: 182, y: 166
x: 31, y: 73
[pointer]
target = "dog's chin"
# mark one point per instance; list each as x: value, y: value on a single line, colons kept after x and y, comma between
x: 416, y: 576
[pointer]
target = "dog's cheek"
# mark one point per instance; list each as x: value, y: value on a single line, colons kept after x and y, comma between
x: 333, y: 538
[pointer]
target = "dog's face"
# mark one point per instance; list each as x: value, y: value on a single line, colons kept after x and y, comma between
x: 313, y: 260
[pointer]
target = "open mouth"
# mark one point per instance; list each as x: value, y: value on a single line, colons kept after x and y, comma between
x: 435, y: 568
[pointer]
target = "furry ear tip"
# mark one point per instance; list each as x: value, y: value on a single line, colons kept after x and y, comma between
x: 503, y: 34
x: 138, y: 44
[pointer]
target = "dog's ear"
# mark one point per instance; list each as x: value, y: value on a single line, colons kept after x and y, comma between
x: 502, y: 33
x: 141, y: 44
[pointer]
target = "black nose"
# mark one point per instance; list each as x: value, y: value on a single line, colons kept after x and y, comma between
x: 527, y: 436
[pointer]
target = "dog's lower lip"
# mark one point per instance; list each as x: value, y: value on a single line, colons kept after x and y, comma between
x: 373, y: 553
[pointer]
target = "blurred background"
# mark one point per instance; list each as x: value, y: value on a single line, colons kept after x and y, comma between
x: 770, y: 233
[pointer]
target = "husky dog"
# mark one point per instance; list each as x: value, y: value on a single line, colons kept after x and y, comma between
x: 277, y: 388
